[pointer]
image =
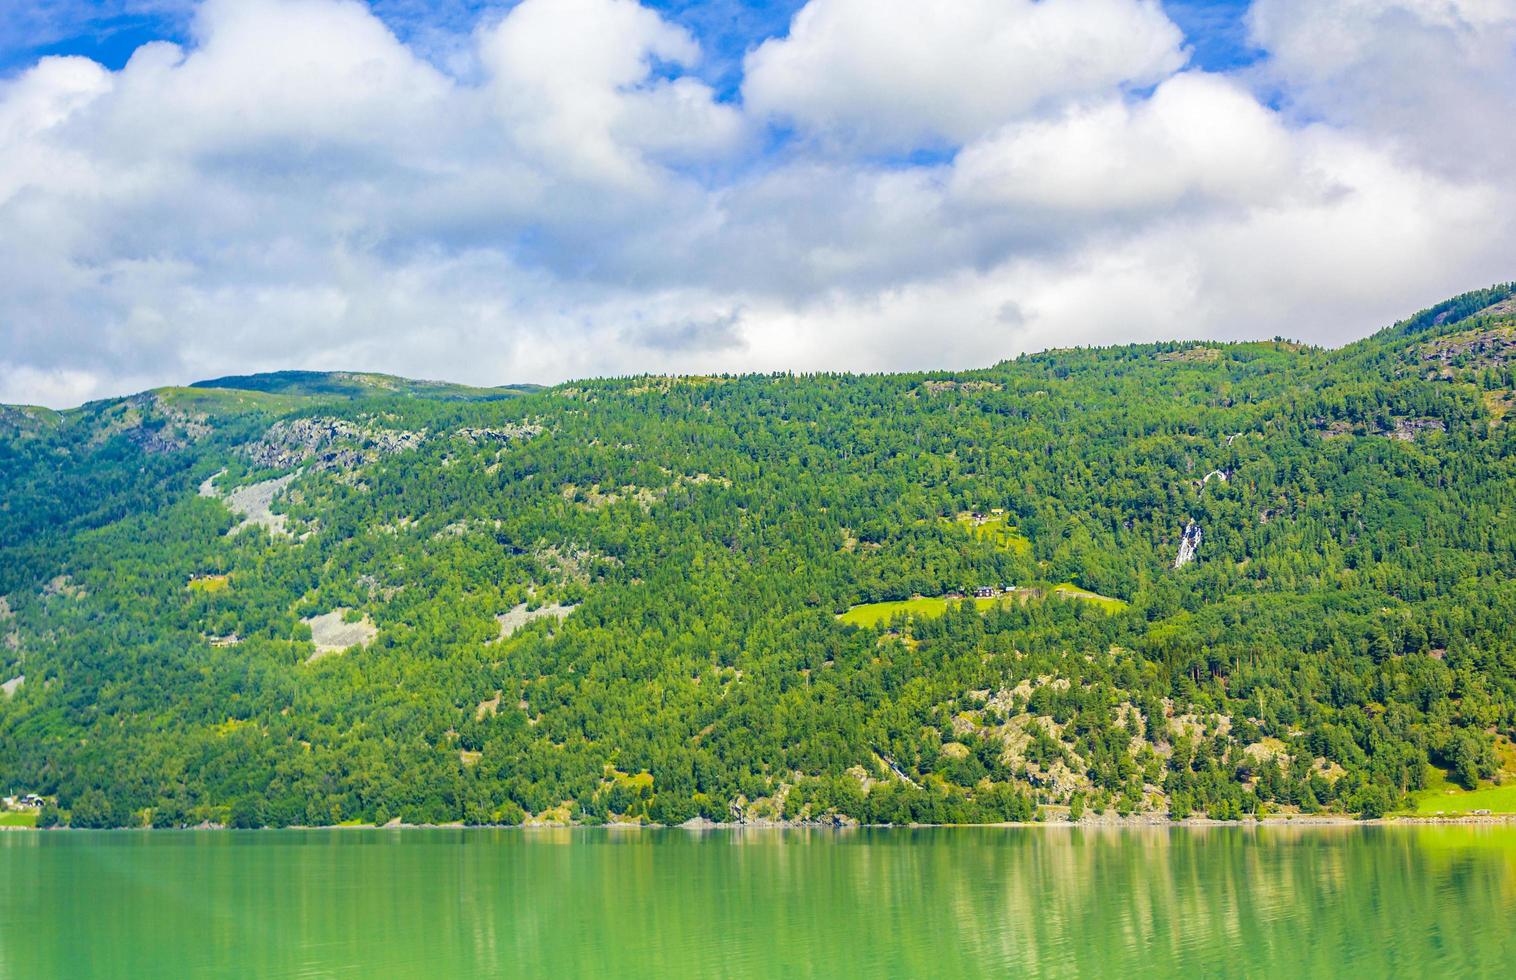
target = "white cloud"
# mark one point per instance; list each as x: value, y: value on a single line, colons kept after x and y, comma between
x: 1434, y: 78
x: 298, y: 188
x: 1199, y: 138
x: 1370, y: 243
x: 571, y: 80
x: 60, y: 387
x: 899, y: 74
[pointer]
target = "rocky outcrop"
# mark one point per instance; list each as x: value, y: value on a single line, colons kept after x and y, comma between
x: 1403, y: 428
x: 501, y: 434
x: 63, y: 585
x: 1474, y: 350
x: 1407, y: 430
x: 153, y: 424
x: 938, y: 387
x: 327, y: 444
x: 332, y: 633
x: 253, y: 503
x: 519, y: 616
x: 1191, y: 355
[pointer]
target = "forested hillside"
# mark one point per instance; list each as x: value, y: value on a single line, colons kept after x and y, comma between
x: 1182, y: 578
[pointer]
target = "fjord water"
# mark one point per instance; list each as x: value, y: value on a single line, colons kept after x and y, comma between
x: 1343, y: 901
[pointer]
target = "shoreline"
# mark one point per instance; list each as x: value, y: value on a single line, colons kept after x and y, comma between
x: 1134, y: 822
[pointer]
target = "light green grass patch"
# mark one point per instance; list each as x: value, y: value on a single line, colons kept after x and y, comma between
x: 924, y: 607
x: 1453, y: 800
x: 1442, y: 795
x: 917, y: 607
x: 997, y: 531
x: 221, y: 402
x: 1069, y: 590
x: 18, y: 818
x: 209, y: 583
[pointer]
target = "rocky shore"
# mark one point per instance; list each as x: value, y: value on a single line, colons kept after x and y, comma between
x: 1109, y: 821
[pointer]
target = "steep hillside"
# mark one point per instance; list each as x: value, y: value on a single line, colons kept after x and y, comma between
x: 1170, y: 578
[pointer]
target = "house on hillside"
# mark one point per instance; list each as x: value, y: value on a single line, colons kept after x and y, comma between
x: 984, y: 592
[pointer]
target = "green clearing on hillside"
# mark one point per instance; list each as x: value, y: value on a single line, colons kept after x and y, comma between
x: 1442, y: 795
x: 918, y: 607
x: 1451, y: 799
x: 996, y: 530
x: 1069, y: 590
x: 931, y: 607
x: 18, y: 818
x: 230, y: 401
x: 209, y: 583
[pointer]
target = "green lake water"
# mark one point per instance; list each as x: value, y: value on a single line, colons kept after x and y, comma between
x: 1275, y: 902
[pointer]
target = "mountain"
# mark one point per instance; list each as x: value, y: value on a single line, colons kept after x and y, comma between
x: 348, y: 384
x: 1172, y: 578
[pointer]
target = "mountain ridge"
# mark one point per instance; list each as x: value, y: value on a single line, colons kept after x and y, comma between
x: 358, y: 384
x: 922, y: 597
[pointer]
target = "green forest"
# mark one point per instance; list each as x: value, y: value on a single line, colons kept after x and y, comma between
x: 1183, y: 579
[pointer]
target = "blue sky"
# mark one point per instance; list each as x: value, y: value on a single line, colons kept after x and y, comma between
x: 537, y: 190
x: 108, y: 31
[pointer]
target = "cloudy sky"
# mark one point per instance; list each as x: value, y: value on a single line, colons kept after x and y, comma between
x: 532, y: 191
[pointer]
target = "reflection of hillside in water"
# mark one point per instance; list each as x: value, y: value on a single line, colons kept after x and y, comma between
x: 1329, y: 901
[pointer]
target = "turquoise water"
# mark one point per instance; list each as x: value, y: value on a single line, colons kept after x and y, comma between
x: 1348, y: 901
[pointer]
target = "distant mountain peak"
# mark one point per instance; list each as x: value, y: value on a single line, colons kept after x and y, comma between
x: 357, y: 384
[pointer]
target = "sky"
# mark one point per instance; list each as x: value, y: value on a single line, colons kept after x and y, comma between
x: 537, y: 190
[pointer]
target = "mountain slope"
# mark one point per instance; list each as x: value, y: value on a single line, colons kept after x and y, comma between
x: 623, y: 599
x: 350, y: 384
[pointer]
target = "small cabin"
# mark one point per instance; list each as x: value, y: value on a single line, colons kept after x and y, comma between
x: 984, y: 592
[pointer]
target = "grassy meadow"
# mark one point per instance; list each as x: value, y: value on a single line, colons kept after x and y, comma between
x: 997, y: 530
x: 871, y: 614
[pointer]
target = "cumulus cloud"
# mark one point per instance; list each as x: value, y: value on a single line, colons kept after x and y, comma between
x: 895, y: 74
x: 1434, y: 78
x: 571, y: 80
x: 1199, y: 139
x: 296, y: 186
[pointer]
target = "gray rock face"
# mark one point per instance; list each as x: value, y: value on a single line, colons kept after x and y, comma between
x: 518, y: 617
x: 1406, y: 430
x: 156, y: 426
x: 1189, y: 545
x: 332, y: 633
x: 501, y: 434
x: 253, y: 503
x: 328, y: 444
